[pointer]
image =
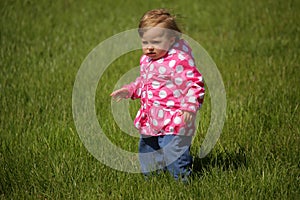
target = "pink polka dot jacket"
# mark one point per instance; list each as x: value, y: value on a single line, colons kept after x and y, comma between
x: 167, y: 87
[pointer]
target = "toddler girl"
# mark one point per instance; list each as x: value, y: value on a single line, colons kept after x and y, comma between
x: 171, y: 90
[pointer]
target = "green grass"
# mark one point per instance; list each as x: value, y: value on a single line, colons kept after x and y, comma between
x: 256, y: 47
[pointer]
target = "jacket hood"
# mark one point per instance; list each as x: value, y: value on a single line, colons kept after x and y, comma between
x: 182, y: 46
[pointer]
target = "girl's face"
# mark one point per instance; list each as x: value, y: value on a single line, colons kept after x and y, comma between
x: 156, y: 42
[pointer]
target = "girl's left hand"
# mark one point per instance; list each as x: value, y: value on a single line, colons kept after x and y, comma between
x: 188, y: 116
x: 120, y: 94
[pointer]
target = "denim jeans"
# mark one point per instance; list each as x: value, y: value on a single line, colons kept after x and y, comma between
x: 168, y: 153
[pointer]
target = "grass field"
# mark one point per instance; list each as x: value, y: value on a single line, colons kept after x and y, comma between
x: 256, y: 46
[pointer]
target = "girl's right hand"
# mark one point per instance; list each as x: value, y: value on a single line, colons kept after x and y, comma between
x: 120, y: 94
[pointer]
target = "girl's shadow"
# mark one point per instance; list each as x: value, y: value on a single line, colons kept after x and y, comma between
x: 224, y: 160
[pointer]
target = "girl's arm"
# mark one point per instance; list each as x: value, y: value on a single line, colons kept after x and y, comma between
x: 192, y: 86
x: 120, y: 94
x: 132, y: 90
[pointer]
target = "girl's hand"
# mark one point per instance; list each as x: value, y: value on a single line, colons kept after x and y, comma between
x: 120, y: 94
x: 188, y: 116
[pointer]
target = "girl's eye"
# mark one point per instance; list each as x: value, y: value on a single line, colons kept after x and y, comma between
x: 144, y: 42
x: 155, y: 42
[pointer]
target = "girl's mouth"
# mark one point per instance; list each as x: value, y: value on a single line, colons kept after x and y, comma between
x: 151, y: 54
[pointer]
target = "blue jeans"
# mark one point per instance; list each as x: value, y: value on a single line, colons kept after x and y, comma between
x: 168, y: 153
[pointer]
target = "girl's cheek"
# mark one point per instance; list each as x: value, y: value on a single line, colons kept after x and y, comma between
x: 160, y: 47
x: 164, y: 48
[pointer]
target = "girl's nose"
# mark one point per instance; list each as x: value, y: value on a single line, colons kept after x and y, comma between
x: 150, y: 48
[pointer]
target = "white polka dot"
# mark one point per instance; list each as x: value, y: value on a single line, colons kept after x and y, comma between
x: 154, y: 122
x: 179, y: 68
x: 156, y: 103
x: 172, y: 63
x: 192, y: 99
x: 151, y: 67
x: 185, y: 48
x: 181, y: 57
x: 176, y: 45
x: 155, y: 84
x: 177, y: 120
x: 189, y: 74
x: 171, y: 129
x: 191, y: 63
x: 143, y: 94
x: 160, y: 60
x: 190, y: 92
x: 162, y: 70
x: 172, y: 51
x: 162, y: 94
x: 178, y: 81
x: 150, y: 94
x: 166, y: 122
x: 138, y: 125
x: 193, y: 108
x: 200, y: 78
x: 176, y: 93
x: 160, y: 114
x: 170, y: 103
x: 169, y: 84
x: 150, y: 76
x: 182, y: 131
x: 201, y: 95
x: 184, y: 105
x: 188, y: 84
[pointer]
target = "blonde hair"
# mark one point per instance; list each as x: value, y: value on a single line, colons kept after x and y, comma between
x: 155, y: 17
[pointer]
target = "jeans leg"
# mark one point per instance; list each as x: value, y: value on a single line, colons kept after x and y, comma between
x: 150, y: 155
x: 177, y: 156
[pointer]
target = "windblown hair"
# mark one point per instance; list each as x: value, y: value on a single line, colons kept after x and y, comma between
x: 160, y: 17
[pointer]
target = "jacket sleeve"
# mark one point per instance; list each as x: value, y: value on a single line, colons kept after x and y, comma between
x: 191, y: 84
x: 134, y: 89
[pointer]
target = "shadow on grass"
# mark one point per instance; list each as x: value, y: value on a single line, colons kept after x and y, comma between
x: 224, y: 160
